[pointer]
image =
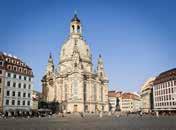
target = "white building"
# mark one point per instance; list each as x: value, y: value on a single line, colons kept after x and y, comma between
x: 164, y: 92
x: 17, y: 84
x: 75, y: 84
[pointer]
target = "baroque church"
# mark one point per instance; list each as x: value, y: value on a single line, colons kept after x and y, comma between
x: 74, y: 83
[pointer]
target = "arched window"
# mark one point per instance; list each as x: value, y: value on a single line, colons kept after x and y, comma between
x: 9, y: 67
x: 14, y: 68
x: 73, y: 28
x: 78, y: 29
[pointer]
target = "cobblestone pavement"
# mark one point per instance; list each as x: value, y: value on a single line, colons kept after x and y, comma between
x: 90, y: 123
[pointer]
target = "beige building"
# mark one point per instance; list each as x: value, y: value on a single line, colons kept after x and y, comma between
x: 73, y: 83
x: 113, y: 98
x: 147, y: 95
x: 164, y: 92
x: 130, y: 102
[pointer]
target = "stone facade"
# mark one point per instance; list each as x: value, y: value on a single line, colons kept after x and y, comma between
x: 73, y: 83
x: 147, y: 95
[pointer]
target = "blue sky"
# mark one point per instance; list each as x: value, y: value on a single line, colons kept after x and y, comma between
x: 137, y: 38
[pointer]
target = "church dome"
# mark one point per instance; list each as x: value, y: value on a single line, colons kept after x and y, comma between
x: 75, y: 41
x: 68, y: 48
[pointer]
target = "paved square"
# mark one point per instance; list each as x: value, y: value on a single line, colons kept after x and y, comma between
x: 90, y: 123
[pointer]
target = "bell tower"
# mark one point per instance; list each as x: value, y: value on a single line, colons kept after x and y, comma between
x: 100, y: 68
x: 75, y: 27
x: 50, y: 66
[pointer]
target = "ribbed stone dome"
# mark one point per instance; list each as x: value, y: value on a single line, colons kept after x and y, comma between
x: 69, y: 46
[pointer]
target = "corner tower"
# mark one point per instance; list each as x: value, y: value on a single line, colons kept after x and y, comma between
x: 50, y: 65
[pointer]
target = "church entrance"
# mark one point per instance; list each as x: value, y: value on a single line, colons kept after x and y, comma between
x: 75, y: 109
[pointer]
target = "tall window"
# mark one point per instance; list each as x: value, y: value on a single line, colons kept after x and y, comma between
x: 14, y: 84
x: 13, y: 93
x: 0, y: 80
x: 9, y: 75
x: 29, y: 95
x: 19, y: 94
x: 28, y: 103
x: 18, y: 102
x: 65, y: 90
x: 78, y: 29
x: 102, y: 94
x: 75, y: 85
x: 29, y: 87
x: 14, y: 76
x: 24, y: 103
x: 1, y: 63
x: 24, y: 94
x: 24, y: 86
x: 8, y: 93
x: 8, y: 83
x: 0, y: 71
x: 73, y: 28
x: 13, y: 102
x: 95, y: 92
x: 19, y: 85
x: 7, y: 102
x: 85, y: 92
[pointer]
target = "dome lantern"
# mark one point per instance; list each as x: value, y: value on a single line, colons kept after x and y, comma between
x: 75, y: 27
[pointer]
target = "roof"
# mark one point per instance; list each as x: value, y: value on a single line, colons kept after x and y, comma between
x: 11, y: 60
x: 128, y: 95
x: 114, y: 93
x: 75, y: 18
x: 165, y: 76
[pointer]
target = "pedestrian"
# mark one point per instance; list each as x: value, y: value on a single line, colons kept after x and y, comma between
x: 100, y: 114
x: 157, y: 114
x: 62, y: 114
x: 82, y: 114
